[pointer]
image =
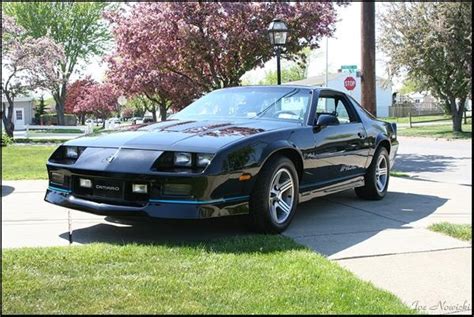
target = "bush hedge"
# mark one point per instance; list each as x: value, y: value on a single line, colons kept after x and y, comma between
x: 52, y: 119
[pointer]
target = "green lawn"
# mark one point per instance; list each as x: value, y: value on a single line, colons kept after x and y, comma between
x: 49, y: 131
x: 437, y: 131
x: 246, y: 275
x: 416, y: 119
x: 398, y: 174
x: 40, y: 141
x: 25, y: 161
x: 459, y: 231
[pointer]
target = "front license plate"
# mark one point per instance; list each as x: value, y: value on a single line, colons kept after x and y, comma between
x: 108, y: 188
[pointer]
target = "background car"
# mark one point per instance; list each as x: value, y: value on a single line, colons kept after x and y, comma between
x: 115, y: 120
x: 147, y: 120
x: 255, y: 151
x: 136, y: 120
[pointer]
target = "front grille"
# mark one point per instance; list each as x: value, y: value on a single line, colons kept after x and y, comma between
x: 109, y: 190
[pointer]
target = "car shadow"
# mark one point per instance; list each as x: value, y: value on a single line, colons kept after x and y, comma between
x: 338, y: 222
x: 413, y: 163
x: 7, y: 190
x: 329, y: 224
x: 159, y: 231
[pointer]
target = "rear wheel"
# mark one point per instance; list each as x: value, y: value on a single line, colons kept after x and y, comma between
x: 273, y: 202
x: 376, y: 178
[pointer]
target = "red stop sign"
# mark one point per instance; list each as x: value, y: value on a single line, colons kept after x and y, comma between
x: 349, y: 83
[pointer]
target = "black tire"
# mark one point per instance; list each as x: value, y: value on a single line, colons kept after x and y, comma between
x: 371, y: 191
x: 261, y: 219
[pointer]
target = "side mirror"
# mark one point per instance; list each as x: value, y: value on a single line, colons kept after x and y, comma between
x: 325, y: 120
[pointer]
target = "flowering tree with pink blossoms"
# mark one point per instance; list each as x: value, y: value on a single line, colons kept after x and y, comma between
x: 99, y: 100
x: 177, y: 51
x: 75, y: 93
x: 139, y: 78
x: 27, y: 64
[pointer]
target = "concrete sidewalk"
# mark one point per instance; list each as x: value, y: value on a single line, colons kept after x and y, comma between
x: 385, y: 242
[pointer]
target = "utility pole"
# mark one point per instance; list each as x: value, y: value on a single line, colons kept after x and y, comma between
x: 368, y: 80
x: 326, y: 80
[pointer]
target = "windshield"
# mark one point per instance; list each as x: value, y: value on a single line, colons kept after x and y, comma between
x: 277, y: 103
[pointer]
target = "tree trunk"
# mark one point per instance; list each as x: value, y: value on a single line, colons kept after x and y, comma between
x: 457, y: 122
x: 457, y: 112
x: 153, y: 113
x: 60, y: 98
x: 8, y: 118
x: 163, y: 112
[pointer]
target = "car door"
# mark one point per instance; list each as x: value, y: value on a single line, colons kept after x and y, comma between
x: 339, y: 151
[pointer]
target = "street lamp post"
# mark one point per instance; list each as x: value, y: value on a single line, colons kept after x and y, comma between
x: 278, y: 33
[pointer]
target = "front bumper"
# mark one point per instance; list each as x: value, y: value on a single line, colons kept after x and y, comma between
x: 155, y: 208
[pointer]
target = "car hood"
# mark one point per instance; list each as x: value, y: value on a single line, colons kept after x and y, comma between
x: 179, y: 135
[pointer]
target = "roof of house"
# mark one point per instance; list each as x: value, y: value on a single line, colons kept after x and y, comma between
x: 321, y: 79
x: 19, y: 98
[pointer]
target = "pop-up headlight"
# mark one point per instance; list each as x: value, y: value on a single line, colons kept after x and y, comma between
x: 203, y: 159
x: 183, y: 159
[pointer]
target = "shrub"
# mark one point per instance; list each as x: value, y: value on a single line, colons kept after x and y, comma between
x: 6, y: 140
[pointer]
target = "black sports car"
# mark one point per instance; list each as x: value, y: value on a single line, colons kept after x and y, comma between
x: 257, y: 150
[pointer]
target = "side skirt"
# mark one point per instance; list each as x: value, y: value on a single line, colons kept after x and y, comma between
x: 347, y: 184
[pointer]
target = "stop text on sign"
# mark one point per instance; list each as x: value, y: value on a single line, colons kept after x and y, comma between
x: 350, y: 83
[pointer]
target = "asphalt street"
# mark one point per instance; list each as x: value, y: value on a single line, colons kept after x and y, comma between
x: 436, y: 160
x: 385, y: 242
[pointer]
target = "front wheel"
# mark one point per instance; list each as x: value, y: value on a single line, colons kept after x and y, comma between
x: 376, y: 178
x: 274, y: 199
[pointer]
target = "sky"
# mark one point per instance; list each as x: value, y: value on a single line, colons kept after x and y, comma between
x: 343, y: 48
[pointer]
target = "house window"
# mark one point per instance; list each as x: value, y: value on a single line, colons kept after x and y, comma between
x: 19, y: 115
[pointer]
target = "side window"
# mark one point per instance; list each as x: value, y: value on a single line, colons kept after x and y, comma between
x: 336, y: 105
x: 342, y: 113
x: 326, y: 105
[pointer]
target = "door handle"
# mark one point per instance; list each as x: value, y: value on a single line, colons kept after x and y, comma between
x: 361, y: 135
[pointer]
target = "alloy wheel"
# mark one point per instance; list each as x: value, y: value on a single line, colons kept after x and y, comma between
x: 381, y: 173
x: 282, y: 195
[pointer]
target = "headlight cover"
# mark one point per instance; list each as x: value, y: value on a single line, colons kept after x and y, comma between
x: 183, y: 162
x: 66, y: 154
x: 203, y: 159
x: 72, y: 152
x: 183, y: 159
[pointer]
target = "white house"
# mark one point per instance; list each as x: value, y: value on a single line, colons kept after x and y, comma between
x: 336, y: 81
x: 22, y: 111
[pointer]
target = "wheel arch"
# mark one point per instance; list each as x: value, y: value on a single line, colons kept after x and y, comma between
x: 384, y: 143
x: 291, y: 153
x: 381, y: 141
